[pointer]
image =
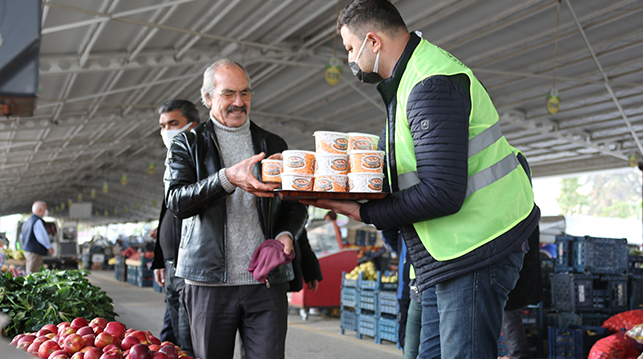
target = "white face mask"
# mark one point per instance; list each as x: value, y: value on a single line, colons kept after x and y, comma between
x: 168, y: 135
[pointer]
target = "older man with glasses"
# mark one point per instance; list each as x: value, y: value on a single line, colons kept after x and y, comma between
x: 211, y: 183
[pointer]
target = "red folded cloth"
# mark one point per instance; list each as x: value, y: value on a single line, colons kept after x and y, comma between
x: 267, y: 257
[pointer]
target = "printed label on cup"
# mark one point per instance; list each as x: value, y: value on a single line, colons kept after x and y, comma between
x: 271, y: 170
x: 296, y: 182
x: 365, y: 182
x: 362, y: 142
x: 366, y: 161
x: 330, y: 183
x: 301, y: 162
x: 331, y: 164
x: 328, y: 142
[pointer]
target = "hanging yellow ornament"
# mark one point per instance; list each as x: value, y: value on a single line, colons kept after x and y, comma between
x: 125, y: 209
x: 333, y: 72
x: 92, y: 194
x: 151, y: 168
x: 106, y: 213
x: 632, y: 160
x: 105, y: 187
x: 138, y: 206
x: 62, y: 206
x: 96, y: 214
x: 553, y: 102
x: 69, y: 202
x: 115, y: 211
x: 124, y: 180
x: 79, y: 197
x: 153, y: 203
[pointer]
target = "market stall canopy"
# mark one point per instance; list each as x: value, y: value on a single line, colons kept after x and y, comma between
x: 106, y: 65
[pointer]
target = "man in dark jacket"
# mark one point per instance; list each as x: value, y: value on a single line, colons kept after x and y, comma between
x: 175, y: 116
x: 211, y: 184
x: 35, y: 240
x: 461, y: 194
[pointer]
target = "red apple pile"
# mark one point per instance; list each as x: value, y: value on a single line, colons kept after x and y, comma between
x: 96, y: 339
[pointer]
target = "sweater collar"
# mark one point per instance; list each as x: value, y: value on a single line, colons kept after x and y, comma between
x: 388, y: 87
x: 218, y: 125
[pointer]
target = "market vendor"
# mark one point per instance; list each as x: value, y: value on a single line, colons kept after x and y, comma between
x: 461, y: 195
x: 34, y: 237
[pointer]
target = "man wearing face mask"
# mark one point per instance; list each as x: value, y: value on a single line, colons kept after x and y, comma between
x: 461, y: 195
x: 176, y: 116
x: 35, y: 240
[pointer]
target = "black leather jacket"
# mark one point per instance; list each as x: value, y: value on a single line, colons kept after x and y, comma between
x: 194, y: 194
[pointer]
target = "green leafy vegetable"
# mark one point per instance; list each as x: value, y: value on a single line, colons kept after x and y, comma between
x: 51, y: 297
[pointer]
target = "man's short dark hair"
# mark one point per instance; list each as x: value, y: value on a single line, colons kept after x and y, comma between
x: 188, y: 110
x: 362, y: 16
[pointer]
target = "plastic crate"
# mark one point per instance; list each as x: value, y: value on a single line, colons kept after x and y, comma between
x: 367, y: 325
x: 563, y: 320
x: 368, y: 300
x: 376, y: 284
x: 593, y: 319
x: 564, y: 261
x: 349, y: 297
x: 348, y: 282
x: 593, y: 255
x: 387, y: 329
x: 387, y: 302
x: 535, y: 342
x: 502, y: 347
x: 532, y: 316
x: 574, y: 342
x: 132, y: 275
x: 144, y: 281
x: 348, y: 321
x: 635, y: 265
x: 635, y: 291
x: 612, y: 293
x: 572, y: 292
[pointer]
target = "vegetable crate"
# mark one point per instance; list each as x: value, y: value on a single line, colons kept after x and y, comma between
x: 601, y: 255
x: 534, y: 341
x: 349, y: 297
x: 387, y: 302
x: 610, y: 294
x: 635, y: 265
x: 352, y: 283
x: 387, y: 329
x: 572, y: 292
x: 532, y: 316
x: 564, y: 261
x: 348, y: 321
x: 375, y: 284
x: 574, y: 342
x: 368, y: 300
x: 367, y: 325
x: 635, y: 290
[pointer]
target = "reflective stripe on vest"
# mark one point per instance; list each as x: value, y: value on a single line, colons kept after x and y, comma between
x: 481, y: 179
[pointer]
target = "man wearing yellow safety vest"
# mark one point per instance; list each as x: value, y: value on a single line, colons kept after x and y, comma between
x: 461, y: 195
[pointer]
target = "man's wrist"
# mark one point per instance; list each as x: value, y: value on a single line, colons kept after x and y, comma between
x: 292, y: 239
x: 227, y: 186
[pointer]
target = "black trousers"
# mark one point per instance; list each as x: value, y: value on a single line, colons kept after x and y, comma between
x: 179, y: 317
x: 216, y: 313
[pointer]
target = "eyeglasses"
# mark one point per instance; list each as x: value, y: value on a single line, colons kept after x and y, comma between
x: 229, y: 94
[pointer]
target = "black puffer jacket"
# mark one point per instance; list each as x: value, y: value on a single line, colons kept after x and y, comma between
x: 194, y: 194
x: 441, y: 150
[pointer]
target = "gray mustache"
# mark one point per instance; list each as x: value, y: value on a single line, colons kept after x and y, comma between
x: 231, y: 108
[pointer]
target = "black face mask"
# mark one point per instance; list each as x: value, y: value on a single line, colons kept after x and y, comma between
x: 371, y: 77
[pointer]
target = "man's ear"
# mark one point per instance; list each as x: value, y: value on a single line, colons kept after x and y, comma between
x: 374, y: 39
x: 192, y: 125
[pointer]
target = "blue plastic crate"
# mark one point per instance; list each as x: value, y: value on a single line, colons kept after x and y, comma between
x: 144, y: 281
x: 593, y: 255
x: 613, y: 294
x: 367, y: 325
x: 564, y: 260
x: 571, y: 292
x: 132, y: 274
x: 349, y: 297
x: 348, y: 282
x: 635, y: 291
x: 368, y: 300
x: 387, y: 329
x: 635, y: 265
x: 574, y: 342
x: 376, y: 284
x: 348, y: 321
x: 387, y: 302
x: 532, y: 316
x: 593, y: 319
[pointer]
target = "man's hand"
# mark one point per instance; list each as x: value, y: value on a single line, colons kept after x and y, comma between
x: 159, y: 276
x: 348, y: 208
x: 241, y: 176
x: 313, y: 285
x: 153, y: 233
x: 51, y: 251
x: 286, y: 240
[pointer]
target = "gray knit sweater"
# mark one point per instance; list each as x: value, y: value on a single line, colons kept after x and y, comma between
x: 243, y: 230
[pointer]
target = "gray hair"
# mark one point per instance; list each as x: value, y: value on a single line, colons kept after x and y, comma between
x: 208, y: 78
x: 37, y: 206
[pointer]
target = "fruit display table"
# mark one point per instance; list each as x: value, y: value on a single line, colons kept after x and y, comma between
x: 329, y: 292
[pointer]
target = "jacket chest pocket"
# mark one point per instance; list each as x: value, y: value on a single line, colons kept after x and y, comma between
x: 186, y: 231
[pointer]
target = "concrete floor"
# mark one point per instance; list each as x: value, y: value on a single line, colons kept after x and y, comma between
x: 316, y: 338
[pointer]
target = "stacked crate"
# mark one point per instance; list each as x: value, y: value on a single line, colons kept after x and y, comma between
x: 532, y: 321
x: 369, y: 308
x: 139, y: 272
x: 590, y: 283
